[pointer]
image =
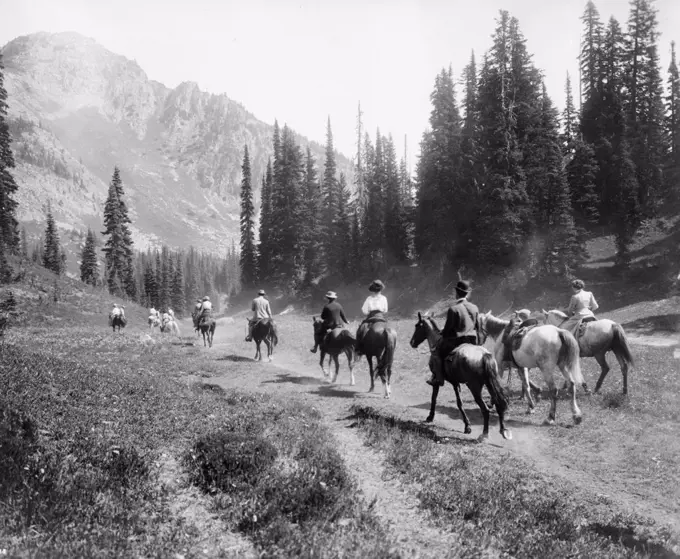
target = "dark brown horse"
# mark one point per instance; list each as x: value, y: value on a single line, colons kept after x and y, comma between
x: 195, y: 317
x: 265, y: 331
x: 467, y: 364
x: 118, y: 321
x: 334, y: 343
x: 380, y: 342
x: 207, y: 325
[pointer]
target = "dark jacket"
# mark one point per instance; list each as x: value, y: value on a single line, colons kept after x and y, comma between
x: 333, y: 316
x: 461, y: 320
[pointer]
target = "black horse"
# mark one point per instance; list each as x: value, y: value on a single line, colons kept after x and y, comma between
x: 467, y: 364
x: 265, y: 331
x: 118, y: 321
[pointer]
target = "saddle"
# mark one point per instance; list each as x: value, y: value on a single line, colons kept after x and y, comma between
x: 583, y: 325
x: 374, y: 316
x: 514, y: 334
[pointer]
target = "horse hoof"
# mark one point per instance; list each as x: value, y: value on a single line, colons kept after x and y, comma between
x: 507, y: 435
x: 467, y: 430
x: 429, y: 419
x: 482, y: 437
x: 372, y: 389
x: 352, y: 383
x: 578, y: 419
x: 549, y: 422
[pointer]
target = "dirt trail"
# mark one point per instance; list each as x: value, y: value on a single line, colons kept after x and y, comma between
x: 291, y: 371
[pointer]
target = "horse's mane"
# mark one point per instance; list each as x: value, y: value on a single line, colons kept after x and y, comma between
x: 495, y: 325
x: 558, y: 312
x: 434, y: 324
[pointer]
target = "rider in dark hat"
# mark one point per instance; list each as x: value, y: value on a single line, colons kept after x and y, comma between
x: 333, y: 316
x: 462, y: 320
x: 374, y: 308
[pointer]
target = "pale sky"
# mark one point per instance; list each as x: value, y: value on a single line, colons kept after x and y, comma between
x: 302, y: 62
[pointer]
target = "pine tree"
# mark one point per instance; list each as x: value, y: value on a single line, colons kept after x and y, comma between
x: 89, y: 266
x: 361, y: 194
x: 5, y: 268
x: 590, y: 58
x: 165, y: 278
x: 52, y: 247
x: 396, y: 235
x: 569, y: 121
x: 248, y: 250
x: 179, y: 303
x: 331, y: 195
x: 582, y: 172
x: 312, y: 242
x: 24, y: 243
x: 264, y: 248
x: 150, y: 286
x: 672, y: 123
x: 9, y: 228
x: 118, y: 249
x: 644, y: 103
x: 344, y: 229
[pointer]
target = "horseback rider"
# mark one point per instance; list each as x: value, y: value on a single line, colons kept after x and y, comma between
x: 261, y: 309
x: 332, y: 315
x: 581, y: 305
x: 374, y: 308
x: 205, y: 309
x: 172, y: 314
x: 462, y: 325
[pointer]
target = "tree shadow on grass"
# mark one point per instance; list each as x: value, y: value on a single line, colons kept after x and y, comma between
x: 293, y: 379
x: 664, y: 324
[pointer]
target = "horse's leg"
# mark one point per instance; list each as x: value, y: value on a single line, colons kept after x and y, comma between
x: 322, y: 358
x: 601, y: 358
x: 269, y: 348
x: 371, y: 373
x: 526, y: 388
x: 576, y: 412
x: 350, y: 363
x: 433, y: 404
x: 547, y: 371
x: 476, y: 390
x: 459, y: 402
x: 624, y: 370
x: 336, y: 360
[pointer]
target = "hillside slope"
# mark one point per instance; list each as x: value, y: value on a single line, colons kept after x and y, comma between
x: 77, y: 109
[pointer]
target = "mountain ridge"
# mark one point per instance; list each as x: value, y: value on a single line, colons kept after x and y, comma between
x: 76, y: 110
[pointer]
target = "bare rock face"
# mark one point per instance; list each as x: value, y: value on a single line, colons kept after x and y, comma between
x: 76, y: 110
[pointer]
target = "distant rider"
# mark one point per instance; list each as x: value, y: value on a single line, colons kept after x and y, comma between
x: 205, y: 309
x: 261, y: 309
x: 582, y: 305
x: 462, y: 320
x: 373, y: 309
x: 332, y: 315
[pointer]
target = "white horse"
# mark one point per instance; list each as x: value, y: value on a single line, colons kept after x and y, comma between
x: 170, y: 327
x: 546, y: 347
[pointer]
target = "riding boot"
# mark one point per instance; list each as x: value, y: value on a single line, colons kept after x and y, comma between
x: 313, y: 350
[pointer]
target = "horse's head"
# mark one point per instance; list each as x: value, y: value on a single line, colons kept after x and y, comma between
x: 421, y: 331
x: 554, y: 316
x: 318, y: 325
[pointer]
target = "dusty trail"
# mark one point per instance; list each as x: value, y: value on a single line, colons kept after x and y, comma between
x: 294, y: 371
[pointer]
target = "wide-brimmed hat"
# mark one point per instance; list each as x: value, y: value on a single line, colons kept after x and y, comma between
x: 331, y: 295
x: 261, y: 292
x: 206, y: 298
x: 463, y: 286
x: 376, y: 286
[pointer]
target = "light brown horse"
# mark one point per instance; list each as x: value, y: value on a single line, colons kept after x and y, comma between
x: 334, y: 343
x: 546, y: 347
x: 379, y: 342
x: 207, y: 325
x: 600, y: 336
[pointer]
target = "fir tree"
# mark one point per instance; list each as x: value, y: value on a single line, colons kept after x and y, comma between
x: 24, y: 243
x: 248, y: 250
x: 52, y: 247
x: 672, y: 123
x: 312, y: 243
x: 5, y: 268
x: 178, y: 301
x: 569, y: 120
x: 591, y: 44
x: 89, y: 265
x: 9, y: 228
x: 265, y: 249
x: 118, y: 249
x: 150, y: 286
x: 331, y: 196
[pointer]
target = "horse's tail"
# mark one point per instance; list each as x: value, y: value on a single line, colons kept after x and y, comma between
x: 273, y: 334
x: 388, y: 355
x: 569, y: 357
x: 490, y: 376
x: 620, y: 345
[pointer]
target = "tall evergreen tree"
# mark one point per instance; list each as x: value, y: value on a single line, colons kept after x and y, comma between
x: 331, y: 196
x: 118, y: 250
x: 569, y: 120
x: 52, y: 247
x: 150, y: 286
x: 264, y: 248
x: 672, y: 166
x: 312, y: 242
x: 179, y: 303
x: 248, y: 249
x: 590, y: 57
x: 361, y: 194
x: 9, y: 228
x: 89, y: 265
